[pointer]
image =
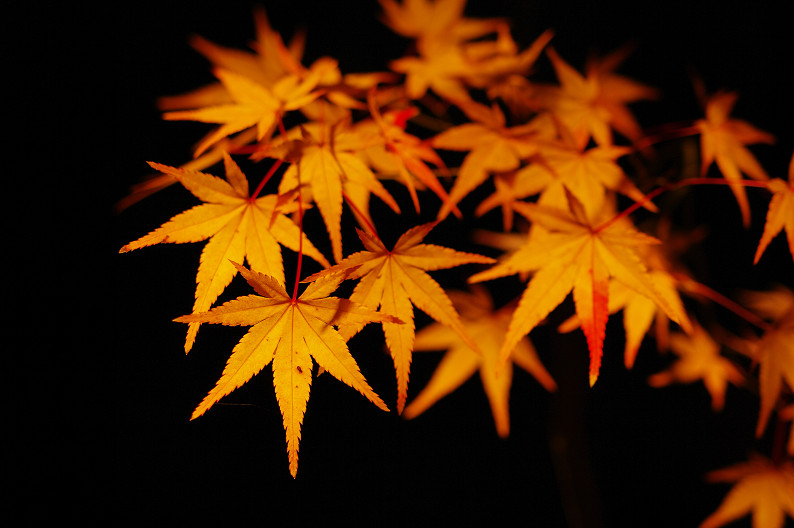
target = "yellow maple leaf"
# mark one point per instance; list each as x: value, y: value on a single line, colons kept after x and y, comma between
x: 699, y: 360
x: 639, y: 312
x: 252, y: 105
x: 329, y: 165
x: 590, y: 174
x: 762, y: 488
x: 781, y: 213
x: 574, y: 252
x: 289, y: 332
x: 491, y: 146
x: 486, y: 327
x: 238, y: 226
x: 396, y: 280
x: 723, y: 140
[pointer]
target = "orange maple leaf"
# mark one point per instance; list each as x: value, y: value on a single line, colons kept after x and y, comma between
x: 699, y: 359
x: 487, y: 328
x: 723, y: 140
x: 591, y: 106
x: 239, y: 227
x: 572, y: 252
x: 774, y: 353
x: 434, y: 20
x: 780, y: 214
x: 289, y: 332
x: 398, y: 152
x: 762, y: 488
x: 396, y: 280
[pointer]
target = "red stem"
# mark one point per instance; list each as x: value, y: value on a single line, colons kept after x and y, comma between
x: 300, y: 240
x: 672, y: 186
x: 366, y: 224
x: 666, y: 133
x: 705, y: 291
x: 267, y: 177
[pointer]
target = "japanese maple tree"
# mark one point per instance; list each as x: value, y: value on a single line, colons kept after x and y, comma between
x: 461, y: 127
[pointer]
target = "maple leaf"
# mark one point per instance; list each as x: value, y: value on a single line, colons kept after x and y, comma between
x: 434, y: 20
x: 398, y: 152
x: 289, y: 332
x: 486, y: 327
x: 639, y: 312
x: 328, y: 163
x: 616, y: 91
x: 238, y: 226
x: 723, y: 140
x: 774, y: 350
x: 450, y: 69
x: 575, y: 253
x: 591, y: 105
x: 158, y: 181
x: 252, y: 105
x: 491, y: 147
x: 762, y: 488
x: 699, y: 359
x: 396, y: 280
x: 780, y: 214
x: 590, y: 174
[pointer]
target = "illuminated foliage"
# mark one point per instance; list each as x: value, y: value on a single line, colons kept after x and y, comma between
x: 458, y: 127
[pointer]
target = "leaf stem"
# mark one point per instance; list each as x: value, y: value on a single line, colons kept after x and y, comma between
x: 270, y: 172
x: 283, y: 133
x: 300, y: 238
x: 701, y: 289
x: 362, y: 219
x: 671, y: 131
x: 676, y: 185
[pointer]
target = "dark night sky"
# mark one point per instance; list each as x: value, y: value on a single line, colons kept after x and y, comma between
x: 102, y: 415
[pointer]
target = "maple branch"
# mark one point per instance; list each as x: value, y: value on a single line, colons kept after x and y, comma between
x: 673, y: 186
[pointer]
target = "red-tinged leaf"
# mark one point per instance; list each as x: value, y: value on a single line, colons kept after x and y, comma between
x: 576, y: 255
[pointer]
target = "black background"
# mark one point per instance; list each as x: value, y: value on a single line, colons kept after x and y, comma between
x: 103, y: 392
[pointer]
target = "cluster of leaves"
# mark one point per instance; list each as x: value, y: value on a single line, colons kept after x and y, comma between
x: 550, y: 152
